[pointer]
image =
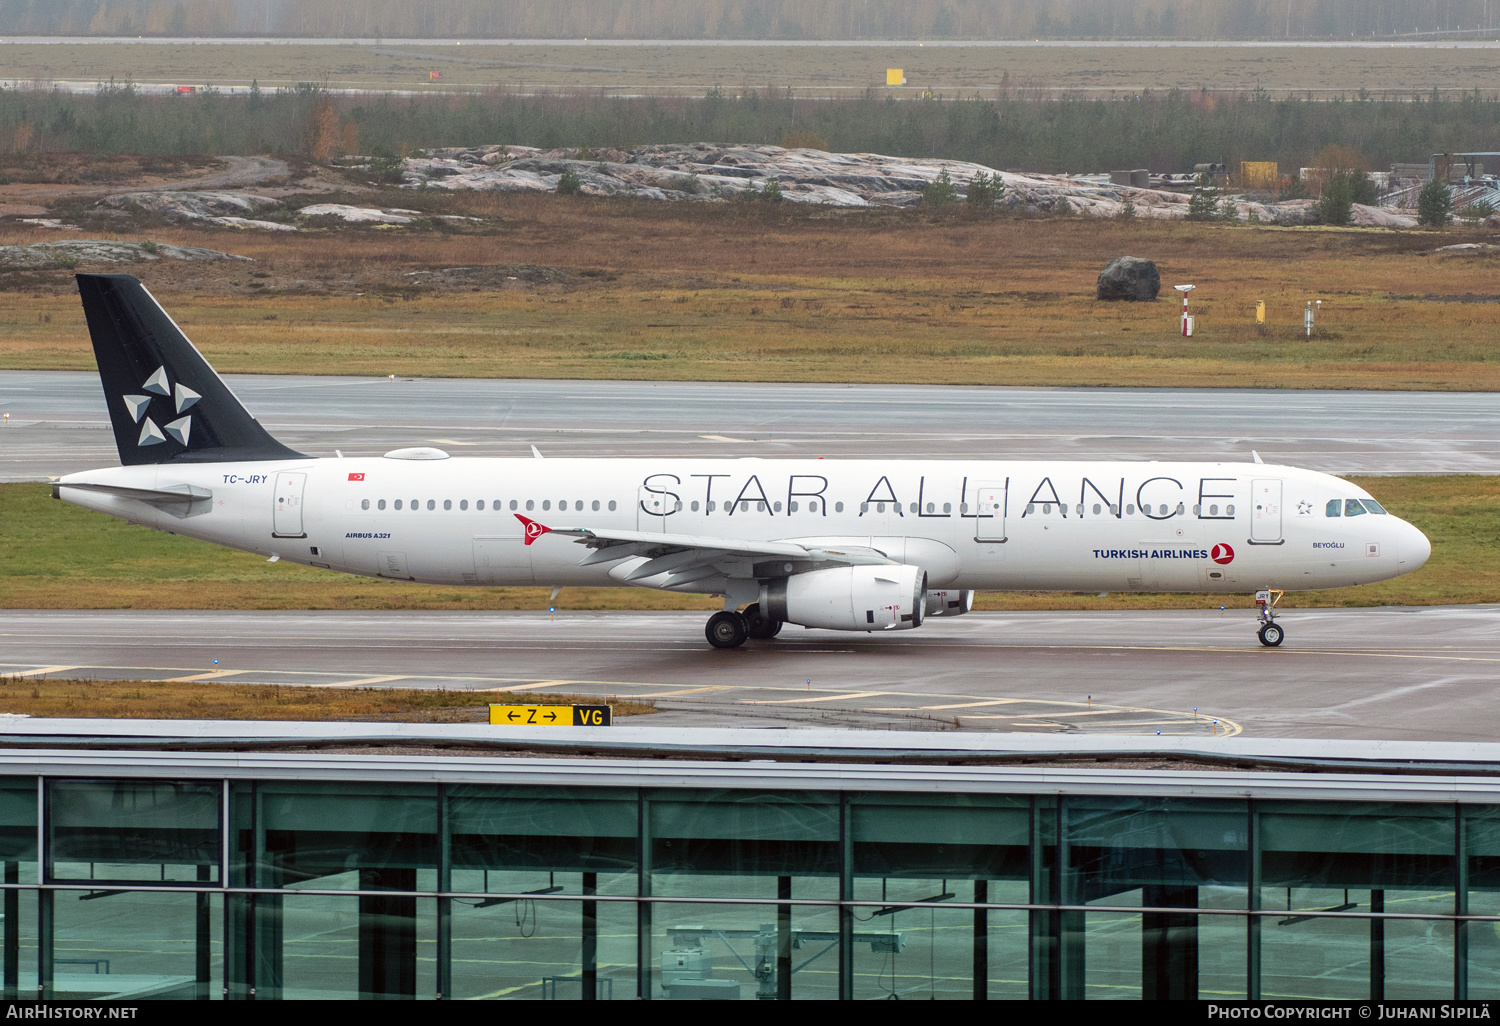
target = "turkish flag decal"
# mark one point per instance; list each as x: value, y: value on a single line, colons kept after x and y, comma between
x: 356, y: 477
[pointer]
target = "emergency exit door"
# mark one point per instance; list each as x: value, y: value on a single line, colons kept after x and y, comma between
x: 286, y: 515
x: 1265, y: 511
x: 989, y: 511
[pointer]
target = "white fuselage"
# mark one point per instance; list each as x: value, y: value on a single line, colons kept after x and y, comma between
x: 969, y: 524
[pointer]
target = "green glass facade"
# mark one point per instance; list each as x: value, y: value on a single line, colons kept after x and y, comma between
x: 366, y: 888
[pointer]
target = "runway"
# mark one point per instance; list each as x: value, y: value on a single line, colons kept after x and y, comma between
x: 1398, y: 674
x: 57, y: 422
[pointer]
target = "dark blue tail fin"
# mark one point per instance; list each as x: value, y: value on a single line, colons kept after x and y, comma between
x: 166, y: 404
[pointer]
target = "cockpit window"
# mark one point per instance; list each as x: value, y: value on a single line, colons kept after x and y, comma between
x: 1335, y: 507
x: 1373, y: 506
x: 1352, y: 508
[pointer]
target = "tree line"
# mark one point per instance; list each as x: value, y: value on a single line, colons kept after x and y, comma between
x: 1165, y: 131
x: 756, y: 19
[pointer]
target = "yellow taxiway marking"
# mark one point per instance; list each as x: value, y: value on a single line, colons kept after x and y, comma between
x: 356, y: 683
x: 803, y: 701
x: 685, y: 691
x: 210, y: 675
x: 971, y: 705
x: 43, y: 670
x: 535, y: 686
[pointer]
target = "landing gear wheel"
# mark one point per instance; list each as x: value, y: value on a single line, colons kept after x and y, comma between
x: 726, y: 630
x: 759, y: 627
x: 1271, y: 635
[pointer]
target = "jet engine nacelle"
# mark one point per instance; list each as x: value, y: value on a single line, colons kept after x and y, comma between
x: 850, y: 598
x: 949, y: 602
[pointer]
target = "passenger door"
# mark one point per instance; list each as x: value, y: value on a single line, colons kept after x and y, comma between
x: 1265, y: 511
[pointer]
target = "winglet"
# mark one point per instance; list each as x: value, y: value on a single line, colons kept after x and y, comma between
x: 536, y: 453
x: 1256, y: 456
x: 534, y: 530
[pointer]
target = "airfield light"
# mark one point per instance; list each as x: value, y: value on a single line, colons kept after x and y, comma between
x: 1187, y: 322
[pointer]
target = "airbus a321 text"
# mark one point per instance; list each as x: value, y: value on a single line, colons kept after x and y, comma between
x: 850, y: 545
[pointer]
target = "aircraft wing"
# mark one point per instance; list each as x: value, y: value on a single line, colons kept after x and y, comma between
x: 689, y: 557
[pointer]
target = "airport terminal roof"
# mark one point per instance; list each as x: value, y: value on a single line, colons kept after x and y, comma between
x: 786, y: 759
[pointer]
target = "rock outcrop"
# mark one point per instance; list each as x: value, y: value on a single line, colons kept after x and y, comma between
x: 72, y: 252
x: 223, y: 208
x: 1130, y: 279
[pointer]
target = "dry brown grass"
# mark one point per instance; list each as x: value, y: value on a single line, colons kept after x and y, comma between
x: 166, y: 700
x: 574, y: 287
x: 824, y: 70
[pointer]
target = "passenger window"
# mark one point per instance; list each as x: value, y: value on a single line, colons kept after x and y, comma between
x: 380, y: 504
x: 1335, y: 507
x: 364, y: 503
x: 611, y: 505
x: 1229, y: 510
x: 479, y: 504
x: 1373, y: 506
x: 1213, y: 510
x: 947, y: 508
x: 463, y: 504
x: 546, y: 504
x: 530, y: 505
x: 447, y: 503
x: 1114, y: 510
x: 513, y: 504
x: 963, y: 507
x: 1031, y: 507
x: 1196, y: 509
x: 812, y: 506
x: 777, y: 507
x: 745, y: 506
x: 838, y: 507
x: 432, y: 504
x: 931, y: 507
x: 397, y: 504
x: 792, y: 507
x: 1352, y: 508
x: 596, y: 505
x: 693, y: 507
x: 880, y: 507
x: 1181, y: 509
x: 1130, y: 508
x: 1098, y: 509
x: 712, y: 505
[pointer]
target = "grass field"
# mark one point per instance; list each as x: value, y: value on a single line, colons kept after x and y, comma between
x: 62, y: 557
x: 190, y: 700
x: 811, y: 70
x: 548, y: 286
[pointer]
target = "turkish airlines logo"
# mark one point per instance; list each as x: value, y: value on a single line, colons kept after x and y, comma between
x: 534, y: 530
x: 1221, y: 554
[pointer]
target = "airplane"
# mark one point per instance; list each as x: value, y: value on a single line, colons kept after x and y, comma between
x: 848, y: 545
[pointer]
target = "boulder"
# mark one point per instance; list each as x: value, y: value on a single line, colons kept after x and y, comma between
x: 1129, y: 278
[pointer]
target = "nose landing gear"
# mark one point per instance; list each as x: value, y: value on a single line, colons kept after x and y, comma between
x: 1271, y: 633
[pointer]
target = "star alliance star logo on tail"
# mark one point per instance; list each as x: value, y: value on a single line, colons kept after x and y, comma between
x: 139, y: 407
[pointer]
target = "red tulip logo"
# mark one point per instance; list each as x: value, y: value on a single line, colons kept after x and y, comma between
x: 1222, y: 554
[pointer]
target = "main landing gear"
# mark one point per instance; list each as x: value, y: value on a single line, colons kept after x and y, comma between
x: 730, y: 629
x: 1271, y: 634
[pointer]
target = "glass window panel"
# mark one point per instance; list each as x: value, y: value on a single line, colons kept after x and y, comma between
x: 748, y: 951
x: 1112, y: 965
x: 1316, y: 958
x: 918, y: 953
x: 18, y: 829
x: 1357, y: 845
x: 371, y: 946
x: 957, y: 836
x: 1482, y: 846
x: 744, y: 844
x: 1170, y: 846
x: 540, y: 948
x: 315, y: 830
x: 133, y: 830
x: 522, y: 839
x: 143, y: 945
